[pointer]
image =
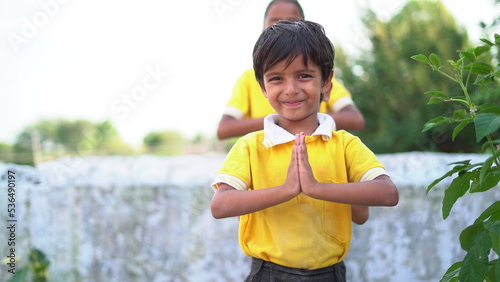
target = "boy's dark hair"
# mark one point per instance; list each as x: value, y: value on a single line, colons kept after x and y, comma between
x: 286, y: 40
x: 295, y: 2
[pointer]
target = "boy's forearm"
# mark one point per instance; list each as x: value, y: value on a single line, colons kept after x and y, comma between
x: 348, y: 118
x: 230, y: 202
x: 231, y: 127
x: 359, y: 214
x: 378, y: 192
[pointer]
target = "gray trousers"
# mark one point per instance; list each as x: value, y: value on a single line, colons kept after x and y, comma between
x: 262, y: 270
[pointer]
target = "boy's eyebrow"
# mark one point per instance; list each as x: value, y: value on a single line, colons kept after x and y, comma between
x: 279, y: 72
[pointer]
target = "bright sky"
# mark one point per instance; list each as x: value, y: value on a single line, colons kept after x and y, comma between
x: 150, y: 65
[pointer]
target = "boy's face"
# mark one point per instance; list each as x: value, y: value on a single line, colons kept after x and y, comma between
x: 281, y: 11
x: 294, y: 91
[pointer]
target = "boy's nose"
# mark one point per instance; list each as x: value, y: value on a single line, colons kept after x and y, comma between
x: 291, y: 88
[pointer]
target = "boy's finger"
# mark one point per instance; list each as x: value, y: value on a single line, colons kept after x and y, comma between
x: 302, y: 138
x: 303, y: 146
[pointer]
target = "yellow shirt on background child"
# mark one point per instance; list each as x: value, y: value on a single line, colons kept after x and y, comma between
x: 303, y: 232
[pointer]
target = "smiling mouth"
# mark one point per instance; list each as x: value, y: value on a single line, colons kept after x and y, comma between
x: 293, y: 103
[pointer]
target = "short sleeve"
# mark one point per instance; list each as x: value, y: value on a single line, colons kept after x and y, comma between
x: 362, y: 164
x: 339, y: 97
x: 238, y: 105
x: 235, y: 170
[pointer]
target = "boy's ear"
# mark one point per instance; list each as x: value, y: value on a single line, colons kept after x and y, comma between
x: 327, y: 87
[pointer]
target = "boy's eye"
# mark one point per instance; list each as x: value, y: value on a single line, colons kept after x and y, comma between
x: 305, y: 76
x: 275, y: 78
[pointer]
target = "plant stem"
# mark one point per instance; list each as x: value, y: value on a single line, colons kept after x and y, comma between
x: 464, y: 87
x: 447, y: 75
x: 492, y: 149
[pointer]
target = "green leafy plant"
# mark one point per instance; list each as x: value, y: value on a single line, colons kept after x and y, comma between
x: 481, y: 240
x: 36, y: 268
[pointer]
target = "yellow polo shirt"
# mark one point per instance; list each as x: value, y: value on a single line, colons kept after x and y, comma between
x: 247, y: 100
x: 303, y: 232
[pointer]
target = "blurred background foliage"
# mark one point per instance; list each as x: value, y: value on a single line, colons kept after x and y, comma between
x: 385, y: 83
x: 57, y: 138
x: 388, y: 87
x: 164, y: 143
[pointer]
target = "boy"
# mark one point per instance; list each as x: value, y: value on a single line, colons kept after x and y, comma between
x: 294, y: 210
x: 247, y: 107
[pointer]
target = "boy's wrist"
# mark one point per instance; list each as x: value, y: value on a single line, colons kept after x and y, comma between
x: 312, y: 190
x: 288, y: 193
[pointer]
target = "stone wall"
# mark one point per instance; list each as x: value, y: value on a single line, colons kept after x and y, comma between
x: 147, y: 218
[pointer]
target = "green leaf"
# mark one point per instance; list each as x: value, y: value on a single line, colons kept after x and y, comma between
x: 21, y: 275
x: 460, y: 114
x: 480, y: 68
x: 451, y: 274
x: 493, y: 226
x: 468, y: 55
x: 484, y: 79
x: 435, y: 100
x: 437, y: 94
x: 463, y: 165
x: 485, y: 124
x: 486, y: 169
x: 495, y: 216
x: 495, y: 243
x: 489, y: 181
x: 453, y: 64
x: 435, y: 122
x: 458, y: 187
x: 489, y: 108
x: 467, y: 235
x: 39, y: 262
x: 435, y: 60
x: 475, y: 263
x: 459, y: 128
x: 497, y: 39
x: 488, y: 143
x: 421, y: 58
x: 487, y: 41
x: 478, y: 51
x: 497, y: 270
x: 493, y: 208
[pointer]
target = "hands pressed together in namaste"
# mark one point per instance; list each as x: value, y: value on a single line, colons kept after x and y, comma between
x: 300, y: 177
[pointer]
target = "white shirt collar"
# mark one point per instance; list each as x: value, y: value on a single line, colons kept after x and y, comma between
x: 275, y: 135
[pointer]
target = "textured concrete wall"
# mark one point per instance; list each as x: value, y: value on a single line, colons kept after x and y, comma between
x: 147, y: 218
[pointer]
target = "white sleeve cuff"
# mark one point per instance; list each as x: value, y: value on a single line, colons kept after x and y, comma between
x: 230, y: 180
x: 234, y: 112
x: 373, y: 173
x: 342, y: 102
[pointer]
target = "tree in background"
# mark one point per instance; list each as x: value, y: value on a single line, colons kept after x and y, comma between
x: 6, y: 153
x: 164, y: 143
x: 387, y: 85
x: 488, y: 27
x: 57, y: 138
